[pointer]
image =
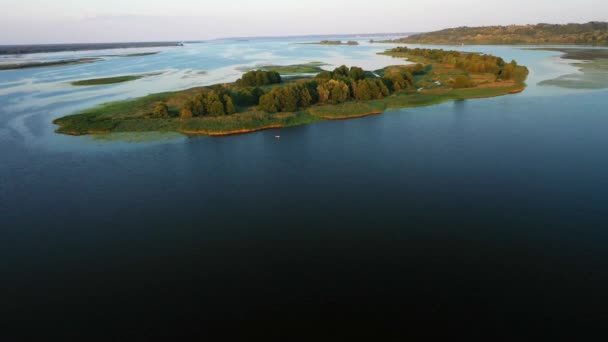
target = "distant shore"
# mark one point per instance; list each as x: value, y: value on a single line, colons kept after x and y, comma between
x: 46, y: 48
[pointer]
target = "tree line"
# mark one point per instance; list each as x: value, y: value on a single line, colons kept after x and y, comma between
x: 222, y: 100
x: 333, y: 87
x: 471, y: 62
x: 214, y: 102
x: 259, y: 78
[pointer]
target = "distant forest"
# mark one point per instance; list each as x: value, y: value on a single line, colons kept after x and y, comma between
x: 592, y: 33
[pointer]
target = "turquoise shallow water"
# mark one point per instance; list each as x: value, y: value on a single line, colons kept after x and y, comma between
x: 489, y: 211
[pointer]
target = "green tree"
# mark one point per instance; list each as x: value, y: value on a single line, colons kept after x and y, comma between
x: 289, y: 99
x: 356, y: 73
x: 258, y: 78
x: 160, y: 110
x: 215, y: 107
x: 362, y: 91
x: 324, y: 75
x: 341, y: 71
x: 229, y: 105
x: 305, y: 99
x: 269, y: 103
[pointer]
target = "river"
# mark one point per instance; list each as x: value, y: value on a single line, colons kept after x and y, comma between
x: 488, y: 213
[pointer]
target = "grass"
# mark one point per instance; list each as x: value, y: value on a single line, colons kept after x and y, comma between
x: 295, y: 69
x: 133, y: 115
x: 141, y: 54
x: 48, y: 64
x: 110, y: 80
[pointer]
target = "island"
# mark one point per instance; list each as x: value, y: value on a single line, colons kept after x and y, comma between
x: 290, y: 70
x: 62, y: 62
x: 264, y: 100
x: 48, y: 48
x: 66, y: 62
x: 334, y: 42
x: 112, y: 80
x: 592, y: 33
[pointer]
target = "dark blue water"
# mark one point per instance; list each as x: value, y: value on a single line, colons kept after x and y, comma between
x: 484, y: 216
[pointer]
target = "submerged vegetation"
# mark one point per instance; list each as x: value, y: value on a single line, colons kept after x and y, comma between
x: 62, y: 62
x: 111, y: 80
x: 289, y: 70
x: 337, y: 42
x: 66, y: 62
x: 592, y: 65
x: 261, y: 99
x: 592, y: 33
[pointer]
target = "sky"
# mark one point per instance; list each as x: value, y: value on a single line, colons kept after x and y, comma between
x: 85, y: 21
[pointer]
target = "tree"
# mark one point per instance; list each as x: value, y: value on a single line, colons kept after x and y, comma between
x: 374, y: 89
x: 324, y: 75
x: 356, y: 73
x: 229, y: 105
x: 305, y: 99
x: 362, y: 91
x: 462, y: 81
x: 339, y: 92
x: 418, y: 69
x: 160, y: 110
x: 258, y: 78
x: 215, y: 107
x: 324, y: 92
x: 197, y: 104
x: 288, y: 99
x: 269, y: 103
x: 341, y: 71
x: 383, y: 88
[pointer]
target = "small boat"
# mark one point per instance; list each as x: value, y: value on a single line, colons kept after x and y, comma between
x: 277, y: 136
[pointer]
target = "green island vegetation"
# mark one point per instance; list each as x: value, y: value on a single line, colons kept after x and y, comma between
x: 141, y: 54
x: 263, y: 100
x: 592, y: 65
x: 592, y: 33
x: 334, y: 42
x: 338, y: 42
x: 65, y: 62
x: 111, y: 80
x: 295, y: 69
x: 62, y: 62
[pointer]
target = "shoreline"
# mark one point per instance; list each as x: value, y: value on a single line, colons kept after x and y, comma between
x: 229, y: 133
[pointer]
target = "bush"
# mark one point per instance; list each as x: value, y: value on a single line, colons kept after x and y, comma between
x: 160, y: 110
x: 462, y: 81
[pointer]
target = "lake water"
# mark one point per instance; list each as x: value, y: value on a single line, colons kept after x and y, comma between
x: 479, y: 215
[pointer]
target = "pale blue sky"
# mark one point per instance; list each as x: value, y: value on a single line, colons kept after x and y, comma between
x: 59, y: 21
